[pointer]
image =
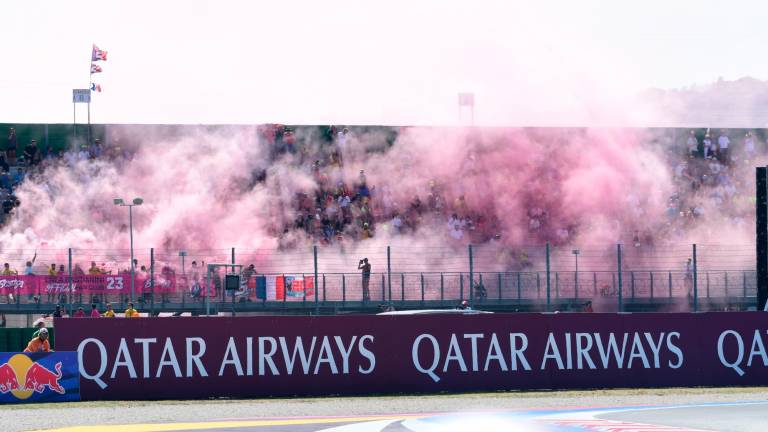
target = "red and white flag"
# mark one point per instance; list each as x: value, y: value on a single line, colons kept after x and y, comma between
x: 95, y: 68
x: 466, y: 99
x: 98, y: 54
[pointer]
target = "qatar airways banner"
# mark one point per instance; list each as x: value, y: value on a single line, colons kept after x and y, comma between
x: 181, y: 357
x: 86, y: 284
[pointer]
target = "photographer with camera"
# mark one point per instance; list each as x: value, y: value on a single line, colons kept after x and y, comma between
x: 365, y: 266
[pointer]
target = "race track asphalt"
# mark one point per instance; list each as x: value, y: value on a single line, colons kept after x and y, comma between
x: 626, y: 410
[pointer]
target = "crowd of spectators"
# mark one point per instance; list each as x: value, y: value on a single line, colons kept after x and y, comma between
x: 342, y: 209
x: 713, y: 177
x: 706, y: 167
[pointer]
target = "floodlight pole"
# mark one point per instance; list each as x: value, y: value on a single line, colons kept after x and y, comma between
x: 133, y: 265
x: 121, y: 203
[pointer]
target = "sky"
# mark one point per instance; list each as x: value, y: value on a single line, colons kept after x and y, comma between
x: 360, y: 62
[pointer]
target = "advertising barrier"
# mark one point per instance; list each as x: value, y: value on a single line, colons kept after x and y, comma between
x: 39, y: 377
x: 85, y: 284
x: 158, y: 358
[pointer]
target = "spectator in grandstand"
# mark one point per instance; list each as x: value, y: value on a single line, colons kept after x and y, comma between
x: 724, y: 143
x: 28, y: 270
x: 62, y: 271
x: 96, y: 149
x: 8, y: 271
x: 480, y: 291
x: 94, y: 269
x: 693, y: 144
x: 11, y: 143
x: 131, y: 312
x: 52, y: 270
x: 31, y: 153
x: 707, y: 146
x: 109, y: 313
x: 79, y: 313
x: 5, y: 177
x: 8, y: 204
x: 3, y: 322
x: 249, y: 272
x: 78, y: 271
x: 588, y: 307
x: 57, y: 313
x: 94, y: 311
x: 39, y: 343
x: 749, y: 146
x: 195, y: 288
x: 365, y: 266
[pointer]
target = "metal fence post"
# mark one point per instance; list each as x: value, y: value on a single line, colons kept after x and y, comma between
x: 549, y: 293
x: 389, y: 274
x: 461, y: 286
x: 383, y: 291
x: 670, y: 284
x: 594, y: 284
x: 651, y: 274
x: 726, y: 285
x: 744, y: 283
x: 233, y: 260
x: 557, y: 285
x: 538, y: 285
x: 618, y: 263
x: 695, y: 282
x: 152, y: 280
x: 402, y: 287
x: 314, y: 261
x: 422, y: 287
x: 71, y: 291
x: 632, y: 283
x: 442, y: 288
x: 471, y: 278
x: 481, y: 284
x: 519, y: 292
x: 343, y: 289
x: 707, y: 285
x: 324, y: 298
x: 499, y: 284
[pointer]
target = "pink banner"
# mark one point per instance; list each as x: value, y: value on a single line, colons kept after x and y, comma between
x: 86, y: 284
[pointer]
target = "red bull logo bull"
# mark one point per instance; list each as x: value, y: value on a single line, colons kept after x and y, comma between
x: 36, y: 377
x: 8, y: 381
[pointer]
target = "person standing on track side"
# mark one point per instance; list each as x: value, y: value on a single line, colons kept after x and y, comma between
x: 365, y: 266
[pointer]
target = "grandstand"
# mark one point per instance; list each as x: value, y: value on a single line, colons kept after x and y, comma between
x: 513, y: 219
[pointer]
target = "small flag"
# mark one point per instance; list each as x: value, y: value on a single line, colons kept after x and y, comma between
x: 96, y: 87
x: 98, y: 54
x: 466, y: 99
x: 95, y: 68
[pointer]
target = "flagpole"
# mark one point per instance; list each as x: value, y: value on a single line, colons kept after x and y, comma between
x: 90, y: 83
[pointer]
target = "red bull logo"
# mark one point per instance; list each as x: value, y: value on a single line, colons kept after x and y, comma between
x: 36, y: 377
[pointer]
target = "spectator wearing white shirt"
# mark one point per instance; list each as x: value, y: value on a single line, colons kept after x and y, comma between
x: 707, y: 146
x: 693, y: 144
x: 749, y: 146
x: 724, y: 143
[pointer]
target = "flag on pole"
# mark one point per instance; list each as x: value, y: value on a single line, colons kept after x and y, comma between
x: 466, y: 99
x: 96, y: 87
x: 95, y: 68
x: 98, y: 54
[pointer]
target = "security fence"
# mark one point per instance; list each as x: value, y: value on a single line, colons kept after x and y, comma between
x: 492, y: 276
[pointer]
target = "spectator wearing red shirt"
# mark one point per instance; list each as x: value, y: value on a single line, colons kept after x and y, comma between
x: 94, y: 311
x: 80, y: 313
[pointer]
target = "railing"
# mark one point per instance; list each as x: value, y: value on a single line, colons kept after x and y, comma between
x: 546, y: 278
